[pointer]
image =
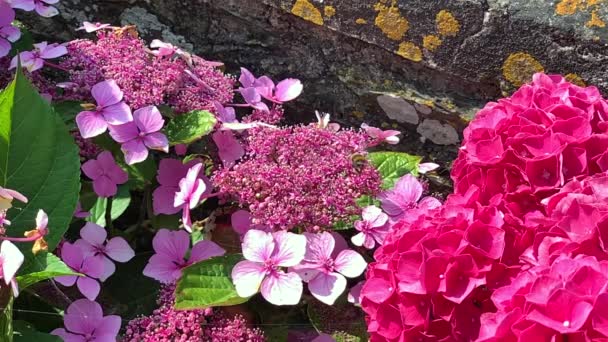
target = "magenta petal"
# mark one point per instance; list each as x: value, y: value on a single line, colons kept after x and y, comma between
x: 162, y: 200
x: 251, y: 95
x: 26, y: 5
x: 171, y: 171
x: 82, y: 316
x: 161, y: 268
x: 66, y: 280
x: 327, y: 287
x: 205, y: 249
x: 246, y: 78
x: 117, y: 114
x: 230, y: 150
x: 148, y: 119
x: 157, y: 141
x: 111, y: 169
x: 288, y: 90
x: 124, y: 133
x: 107, y: 93
x: 108, y: 267
x: 241, y: 221
x: 89, y: 287
x: 90, y: 124
x: 92, y: 169
x: 93, y: 234
x: 282, y: 288
x: 171, y: 244
x: 5, y: 47
x: 135, y: 151
x: 104, y: 187
x: 119, y: 250
x: 7, y: 14
x: 108, y: 326
x: 46, y: 11
x: 53, y: 51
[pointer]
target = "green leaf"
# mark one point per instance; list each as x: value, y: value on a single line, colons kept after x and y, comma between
x: 25, y: 332
x: 351, y: 326
x: 189, y: 127
x: 67, y: 111
x: 120, y: 203
x: 41, y: 267
x: 98, y: 212
x: 25, y: 42
x: 38, y: 158
x: 393, y: 165
x: 366, y: 200
x: 208, y: 283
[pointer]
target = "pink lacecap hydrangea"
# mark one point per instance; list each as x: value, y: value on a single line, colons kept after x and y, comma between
x: 105, y: 173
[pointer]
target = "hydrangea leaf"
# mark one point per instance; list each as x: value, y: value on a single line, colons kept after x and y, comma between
x: 188, y: 127
x: 43, y: 266
x: 393, y: 165
x: 207, y: 283
x: 120, y: 203
x: 38, y: 158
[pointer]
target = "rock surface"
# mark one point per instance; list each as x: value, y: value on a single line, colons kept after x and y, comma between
x: 422, y: 66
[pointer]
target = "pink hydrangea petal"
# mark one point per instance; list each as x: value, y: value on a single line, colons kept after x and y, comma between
x: 7, y: 15
x: 258, y: 245
x: 409, y: 188
x: 86, y: 248
x: 93, y: 234
x: 250, y: 95
x: 599, y: 316
x: 290, y: 248
x: 282, y: 288
x: 247, y: 277
x: 358, y: 239
x: 5, y: 47
x: 104, y: 187
x: 327, y: 287
x: 205, y: 249
x: 46, y: 11
x: 171, y: 171
x: 92, y: 169
x: 66, y: 280
x: 119, y: 250
x: 117, y: 114
x: 157, y: 141
x: 241, y: 221
x: 135, y: 151
x: 124, y: 133
x: 148, y: 119
x: 106, y: 93
x: 72, y: 255
x: 89, y: 287
x: 288, y: 90
x: 246, y: 78
x: 93, y: 267
x: 319, y: 247
x: 161, y: 268
x: 171, y: 244
x: 230, y: 150
x: 162, y: 200
x: 53, y: 51
x: 108, y: 267
x: 26, y: 5
x: 82, y: 316
x: 90, y: 124
x: 108, y: 326
x: 11, y: 259
x: 350, y: 263
x: 68, y: 337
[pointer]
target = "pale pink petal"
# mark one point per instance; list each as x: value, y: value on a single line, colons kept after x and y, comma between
x: 117, y: 114
x: 148, y: 119
x: 93, y: 234
x: 92, y: 169
x: 161, y: 268
x: 42, y: 219
x: 135, y: 151
x: 205, y: 249
x: 106, y: 93
x: 427, y: 167
x: 67, y: 337
x: 290, y: 248
x: 107, y: 326
x: 11, y: 259
x: 409, y: 188
x: 157, y: 141
x: 26, y: 5
x: 90, y: 124
x: 319, y: 246
x: 119, y: 250
x: 246, y: 78
x: 247, y: 277
x: 350, y: 263
x: 282, y: 288
x: 162, y: 200
x: 104, y: 187
x: 46, y: 11
x: 171, y: 244
x: 53, y: 51
x: 358, y: 239
x: 288, y: 90
x: 327, y: 287
x: 89, y: 287
x: 82, y: 316
x: 258, y: 245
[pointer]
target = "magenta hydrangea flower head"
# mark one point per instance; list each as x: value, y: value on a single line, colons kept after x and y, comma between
x: 93, y: 27
x: 84, y: 321
x: 191, y: 190
x: 92, y: 268
x: 326, y: 264
x: 11, y: 259
x: 229, y: 148
x: 8, y: 33
x: 389, y: 136
x: 105, y: 173
x: 406, y: 196
x: 110, y: 109
x: 372, y: 229
x: 170, y: 249
x: 170, y: 173
x: 94, y: 243
x: 40, y: 6
x: 265, y: 254
x: 35, y: 59
x: 140, y: 134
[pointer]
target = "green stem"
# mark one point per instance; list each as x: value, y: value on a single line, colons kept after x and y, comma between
x: 6, y: 315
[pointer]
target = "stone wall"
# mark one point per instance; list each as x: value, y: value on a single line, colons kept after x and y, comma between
x: 421, y: 66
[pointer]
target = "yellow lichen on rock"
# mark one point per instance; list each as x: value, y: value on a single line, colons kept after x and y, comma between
x: 568, y: 7
x: 390, y: 21
x: 361, y: 21
x: 329, y: 11
x: 431, y: 42
x: 410, y: 51
x: 595, y: 20
x: 447, y: 24
x: 519, y: 67
x: 576, y: 79
x: 307, y: 11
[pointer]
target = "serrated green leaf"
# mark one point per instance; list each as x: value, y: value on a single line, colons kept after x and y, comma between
x: 38, y: 158
x: 41, y: 267
x: 207, y: 283
x: 394, y: 165
x: 25, y: 332
x: 189, y: 127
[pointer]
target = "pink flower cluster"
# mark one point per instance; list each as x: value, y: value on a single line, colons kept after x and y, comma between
x: 518, y: 252
x: 301, y: 176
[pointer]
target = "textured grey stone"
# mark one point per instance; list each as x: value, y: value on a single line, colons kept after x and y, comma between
x: 398, y: 109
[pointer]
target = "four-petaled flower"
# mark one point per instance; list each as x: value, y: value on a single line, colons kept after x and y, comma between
x: 191, y: 190
x: 92, y: 268
x: 110, y: 109
x: 94, y: 245
x: 373, y: 228
x: 325, y: 265
x: 105, y: 173
x: 10, y: 261
x: 266, y: 253
x: 404, y: 196
x: 41, y: 6
x: 171, y: 248
x: 389, y: 136
x: 34, y: 60
x: 84, y: 321
x: 140, y: 134
x: 8, y: 33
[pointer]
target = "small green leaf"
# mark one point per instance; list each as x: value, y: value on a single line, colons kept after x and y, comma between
x: 98, y: 212
x: 189, y: 127
x: 366, y: 200
x: 25, y: 332
x: 208, y: 283
x: 41, y: 267
x: 394, y: 165
x: 120, y: 203
x: 67, y: 111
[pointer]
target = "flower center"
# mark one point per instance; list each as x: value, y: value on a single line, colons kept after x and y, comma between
x: 329, y: 265
x: 270, y: 267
